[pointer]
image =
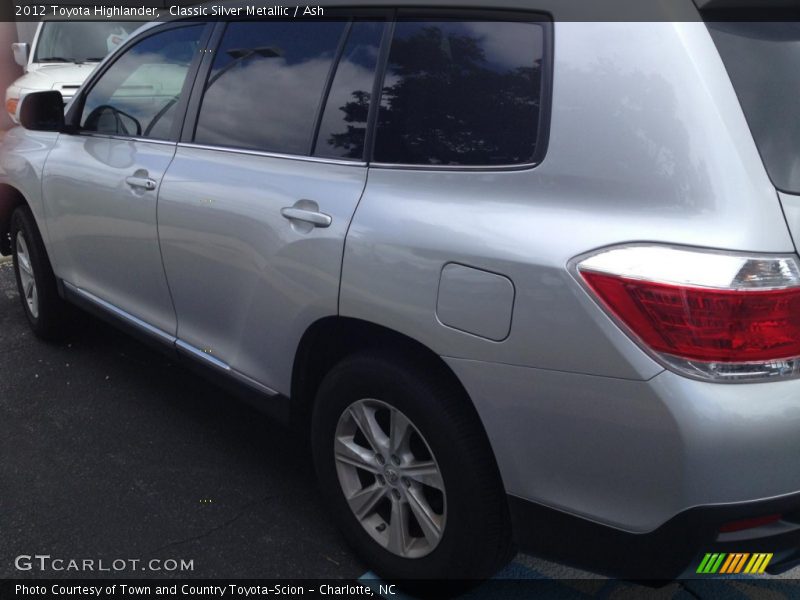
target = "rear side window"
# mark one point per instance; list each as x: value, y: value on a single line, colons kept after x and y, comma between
x: 763, y: 60
x: 266, y: 84
x: 343, y: 129
x: 462, y: 93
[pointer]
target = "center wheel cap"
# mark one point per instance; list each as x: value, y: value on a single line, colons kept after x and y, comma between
x: 391, y: 476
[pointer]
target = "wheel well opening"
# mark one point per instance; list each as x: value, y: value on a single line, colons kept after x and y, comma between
x: 10, y: 199
x: 333, y: 339
x: 328, y: 341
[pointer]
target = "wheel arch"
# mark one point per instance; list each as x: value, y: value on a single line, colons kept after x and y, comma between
x: 331, y: 339
x: 10, y: 199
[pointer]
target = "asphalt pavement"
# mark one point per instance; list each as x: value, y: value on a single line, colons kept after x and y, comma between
x: 111, y: 452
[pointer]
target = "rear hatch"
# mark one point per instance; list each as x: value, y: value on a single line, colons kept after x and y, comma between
x: 763, y: 60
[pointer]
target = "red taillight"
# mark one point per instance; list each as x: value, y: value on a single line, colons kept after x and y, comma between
x: 708, y: 314
x: 749, y: 523
x: 705, y: 324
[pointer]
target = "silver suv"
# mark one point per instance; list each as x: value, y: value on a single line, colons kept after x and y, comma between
x: 528, y: 281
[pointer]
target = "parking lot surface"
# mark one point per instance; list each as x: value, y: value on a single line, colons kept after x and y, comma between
x: 109, y: 450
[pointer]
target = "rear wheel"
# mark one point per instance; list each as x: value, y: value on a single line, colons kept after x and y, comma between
x: 35, y: 279
x: 404, y: 463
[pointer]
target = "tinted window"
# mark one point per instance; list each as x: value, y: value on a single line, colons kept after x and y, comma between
x: 266, y: 83
x: 763, y: 60
x: 344, y: 123
x: 461, y: 93
x: 138, y: 95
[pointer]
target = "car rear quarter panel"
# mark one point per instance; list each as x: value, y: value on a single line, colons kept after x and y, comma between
x: 647, y: 143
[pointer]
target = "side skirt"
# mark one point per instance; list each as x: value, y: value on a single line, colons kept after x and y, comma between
x: 261, y: 397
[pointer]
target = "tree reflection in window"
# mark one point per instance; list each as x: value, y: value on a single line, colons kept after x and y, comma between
x: 459, y: 93
x: 344, y: 123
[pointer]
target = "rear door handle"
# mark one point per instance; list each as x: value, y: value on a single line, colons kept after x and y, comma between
x: 307, y: 211
x: 144, y: 183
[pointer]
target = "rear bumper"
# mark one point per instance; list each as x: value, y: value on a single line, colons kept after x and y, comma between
x: 676, y: 549
x: 633, y: 455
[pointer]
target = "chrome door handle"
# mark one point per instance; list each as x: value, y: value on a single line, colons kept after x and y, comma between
x: 144, y: 183
x: 315, y: 218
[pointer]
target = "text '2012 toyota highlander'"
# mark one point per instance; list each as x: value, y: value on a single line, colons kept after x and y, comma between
x: 529, y: 279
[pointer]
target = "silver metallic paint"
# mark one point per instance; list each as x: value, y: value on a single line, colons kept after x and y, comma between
x: 246, y: 282
x: 647, y: 143
x: 475, y: 301
x: 103, y: 231
x: 791, y: 208
x: 633, y: 454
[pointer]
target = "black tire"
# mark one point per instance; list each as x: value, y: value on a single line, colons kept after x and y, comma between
x: 48, y: 324
x: 476, y: 539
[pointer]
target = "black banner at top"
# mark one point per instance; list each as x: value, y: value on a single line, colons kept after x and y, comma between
x: 559, y: 10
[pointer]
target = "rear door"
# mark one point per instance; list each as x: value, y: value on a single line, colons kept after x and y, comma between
x: 254, y: 209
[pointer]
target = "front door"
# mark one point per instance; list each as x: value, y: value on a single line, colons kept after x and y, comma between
x: 101, y: 183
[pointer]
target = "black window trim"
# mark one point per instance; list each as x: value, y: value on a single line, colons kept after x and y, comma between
x: 192, y: 107
x: 377, y: 88
x: 198, y: 85
x: 545, y: 106
x: 189, y: 132
x: 192, y: 115
x: 326, y: 88
x: 75, y: 112
x: 387, y: 17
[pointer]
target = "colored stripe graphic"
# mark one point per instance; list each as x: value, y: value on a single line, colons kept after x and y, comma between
x: 758, y: 563
x: 729, y: 564
x: 710, y: 563
x: 701, y: 568
x: 726, y: 565
x: 734, y: 563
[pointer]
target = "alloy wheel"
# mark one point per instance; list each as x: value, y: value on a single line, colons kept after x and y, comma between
x: 390, y: 478
x: 26, y: 276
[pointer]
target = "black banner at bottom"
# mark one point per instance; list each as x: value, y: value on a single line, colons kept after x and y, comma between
x: 561, y: 589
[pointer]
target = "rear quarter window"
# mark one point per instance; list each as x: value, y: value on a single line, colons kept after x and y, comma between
x: 461, y: 92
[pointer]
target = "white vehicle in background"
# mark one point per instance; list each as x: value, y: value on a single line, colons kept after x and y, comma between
x: 62, y: 55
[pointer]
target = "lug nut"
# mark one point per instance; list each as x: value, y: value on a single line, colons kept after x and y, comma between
x: 381, y: 479
x: 380, y: 459
x: 395, y: 460
x: 396, y: 494
x: 381, y: 528
x: 406, y: 482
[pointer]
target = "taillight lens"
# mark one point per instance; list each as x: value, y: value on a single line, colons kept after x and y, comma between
x: 712, y: 315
